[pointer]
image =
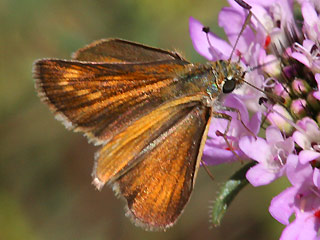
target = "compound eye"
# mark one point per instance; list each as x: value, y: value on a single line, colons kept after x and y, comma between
x: 229, y: 86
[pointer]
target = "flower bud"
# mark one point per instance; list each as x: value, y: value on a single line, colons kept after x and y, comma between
x: 300, y: 87
x: 273, y: 68
x: 318, y: 118
x: 281, y: 118
x: 289, y: 71
x: 313, y: 102
x: 298, y: 108
x: 283, y: 93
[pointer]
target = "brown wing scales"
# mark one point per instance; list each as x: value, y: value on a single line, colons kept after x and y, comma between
x: 118, y: 50
x: 152, y: 125
x: 159, y: 186
x: 101, y: 100
x: 122, y: 151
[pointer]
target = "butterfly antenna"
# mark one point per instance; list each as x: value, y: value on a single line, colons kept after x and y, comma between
x: 206, y: 30
x: 270, y: 95
x: 250, y: 69
x: 275, y: 98
x: 239, y: 35
x: 244, y: 5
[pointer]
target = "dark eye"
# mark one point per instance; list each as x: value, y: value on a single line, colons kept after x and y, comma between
x: 229, y: 86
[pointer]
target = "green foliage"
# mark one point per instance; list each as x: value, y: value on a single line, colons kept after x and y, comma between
x: 228, y: 192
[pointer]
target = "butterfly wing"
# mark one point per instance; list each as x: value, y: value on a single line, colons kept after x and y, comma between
x: 101, y: 100
x: 158, y: 187
x: 152, y: 128
x: 121, y: 153
x: 118, y: 50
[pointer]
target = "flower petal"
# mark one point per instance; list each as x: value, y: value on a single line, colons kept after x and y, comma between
x: 309, y: 13
x: 217, y: 124
x: 301, y: 139
x: 231, y: 15
x: 258, y: 150
x: 233, y: 101
x: 303, y: 227
x: 317, y: 77
x: 215, y: 155
x: 255, y: 122
x: 288, y: 145
x: 306, y: 156
x: 281, y: 205
x: 301, y: 58
x: 317, y: 93
x: 298, y: 173
x: 214, y: 49
x: 279, y: 117
x: 273, y: 135
x: 316, y: 177
x: 258, y: 176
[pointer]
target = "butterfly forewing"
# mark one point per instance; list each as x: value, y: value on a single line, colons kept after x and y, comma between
x: 99, y: 99
x: 159, y: 186
x: 118, y: 50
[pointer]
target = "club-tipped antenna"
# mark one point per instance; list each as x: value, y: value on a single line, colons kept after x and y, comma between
x: 206, y: 30
x: 246, y: 22
x: 243, y: 4
x: 270, y: 95
x: 250, y: 69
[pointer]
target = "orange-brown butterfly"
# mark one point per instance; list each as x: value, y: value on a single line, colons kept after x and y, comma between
x: 150, y: 111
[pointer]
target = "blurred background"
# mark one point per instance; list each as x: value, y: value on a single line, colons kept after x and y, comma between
x: 45, y: 170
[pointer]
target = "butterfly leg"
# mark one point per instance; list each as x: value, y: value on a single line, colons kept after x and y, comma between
x: 239, y: 118
x: 203, y: 164
x: 224, y: 135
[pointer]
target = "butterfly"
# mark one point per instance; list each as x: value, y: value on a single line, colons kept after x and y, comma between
x: 148, y: 109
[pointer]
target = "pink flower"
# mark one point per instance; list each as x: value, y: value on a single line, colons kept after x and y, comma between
x: 301, y: 200
x: 308, y: 138
x: 271, y: 155
x: 317, y: 93
x: 201, y: 42
x: 307, y: 54
x: 216, y: 150
x: 311, y: 20
x: 290, y: 104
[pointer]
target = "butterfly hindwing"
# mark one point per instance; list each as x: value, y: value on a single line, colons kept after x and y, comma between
x: 158, y: 187
x: 122, y: 151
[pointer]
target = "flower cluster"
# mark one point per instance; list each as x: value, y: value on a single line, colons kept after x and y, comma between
x: 288, y: 107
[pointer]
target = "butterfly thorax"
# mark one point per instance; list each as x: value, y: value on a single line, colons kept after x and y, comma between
x: 212, y: 78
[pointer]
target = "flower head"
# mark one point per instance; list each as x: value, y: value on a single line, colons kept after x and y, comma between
x: 270, y: 153
x: 308, y: 138
x: 216, y: 150
x: 311, y: 20
x: 316, y: 94
x: 301, y: 200
x: 308, y: 54
x: 288, y: 52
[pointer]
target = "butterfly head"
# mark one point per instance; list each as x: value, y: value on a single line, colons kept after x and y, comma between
x: 229, y: 75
